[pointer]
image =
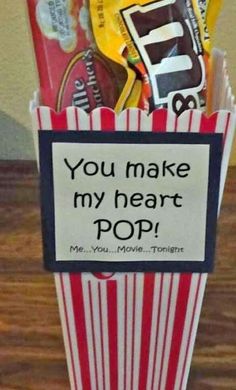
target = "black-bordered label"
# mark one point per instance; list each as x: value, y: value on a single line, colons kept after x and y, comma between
x: 129, y: 201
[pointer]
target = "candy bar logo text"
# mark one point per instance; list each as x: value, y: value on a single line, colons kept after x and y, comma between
x: 165, y: 34
x: 82, y: 85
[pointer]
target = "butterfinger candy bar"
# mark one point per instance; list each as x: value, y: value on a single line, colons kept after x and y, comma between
x: 166, y: 41
x: 71, y: 70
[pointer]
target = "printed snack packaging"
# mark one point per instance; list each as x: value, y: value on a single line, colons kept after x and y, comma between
x: 123, y: 54
x: 166, y: 42
x: 71, y: 70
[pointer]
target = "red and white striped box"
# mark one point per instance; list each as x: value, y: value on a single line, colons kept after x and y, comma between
x: 133, y: 331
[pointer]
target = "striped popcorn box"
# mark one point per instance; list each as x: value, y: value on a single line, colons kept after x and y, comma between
x: 134, y: 330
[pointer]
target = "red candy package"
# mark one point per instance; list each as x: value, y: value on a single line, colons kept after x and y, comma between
x: 71, y: 71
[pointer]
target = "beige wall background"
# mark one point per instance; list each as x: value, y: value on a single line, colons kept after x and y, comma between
x: 18, y: 77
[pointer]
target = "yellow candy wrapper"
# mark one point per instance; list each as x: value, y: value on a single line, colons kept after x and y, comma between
x: 164, y: 43
x: 135, y: 95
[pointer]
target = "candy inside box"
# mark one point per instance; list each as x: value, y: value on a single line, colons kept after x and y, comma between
x: 135, y: 329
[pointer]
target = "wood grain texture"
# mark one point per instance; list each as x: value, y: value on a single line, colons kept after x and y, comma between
x: 31, y: 348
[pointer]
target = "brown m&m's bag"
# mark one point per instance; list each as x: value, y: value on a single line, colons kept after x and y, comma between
x: 166, y: 43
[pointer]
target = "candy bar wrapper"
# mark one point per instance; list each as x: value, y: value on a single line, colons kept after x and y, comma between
x: 134, y: 330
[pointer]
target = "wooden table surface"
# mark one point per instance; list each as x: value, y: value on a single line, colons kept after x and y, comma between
x: 31, y: 347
